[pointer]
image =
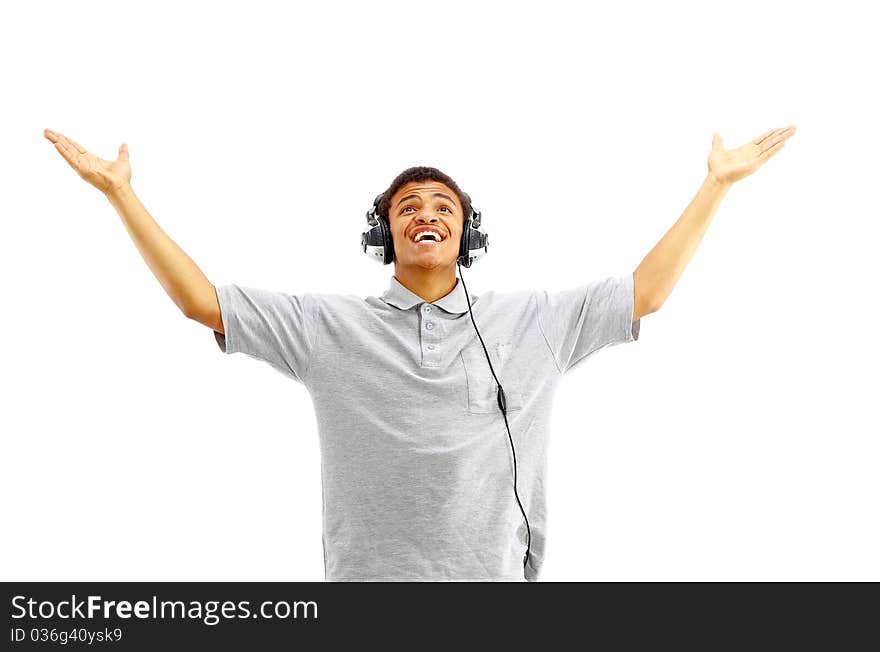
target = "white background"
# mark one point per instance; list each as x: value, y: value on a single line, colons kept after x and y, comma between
x: 736, y: 440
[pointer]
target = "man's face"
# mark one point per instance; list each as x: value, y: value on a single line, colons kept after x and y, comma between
x: 425, y: 206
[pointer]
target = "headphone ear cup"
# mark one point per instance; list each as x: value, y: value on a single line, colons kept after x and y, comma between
x: 387, y: 242
x: 464, y: 247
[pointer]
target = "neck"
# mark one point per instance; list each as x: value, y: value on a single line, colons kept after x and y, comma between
x: 429, y: 284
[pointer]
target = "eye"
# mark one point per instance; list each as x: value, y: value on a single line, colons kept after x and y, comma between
x: 405, y: 208
x: 447, y: 208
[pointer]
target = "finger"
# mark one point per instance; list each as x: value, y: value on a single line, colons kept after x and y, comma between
x: 68, y: 154
x: 767, y: 153
x: 760, y: 139
x: 79, y: 148
x: 70, y: 144
x: 780, y: 137
x: 73, y: 157
x: 51, y: 135
x: 757, y: 141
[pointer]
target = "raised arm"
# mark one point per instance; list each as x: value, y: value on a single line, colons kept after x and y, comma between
x: 182, y: 279
x: 658, y: 273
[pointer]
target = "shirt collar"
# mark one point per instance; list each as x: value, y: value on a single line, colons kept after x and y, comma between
x: 400, y: 297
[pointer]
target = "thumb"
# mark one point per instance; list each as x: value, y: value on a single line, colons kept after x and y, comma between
x: 123, y: 152
x: 716, y: 141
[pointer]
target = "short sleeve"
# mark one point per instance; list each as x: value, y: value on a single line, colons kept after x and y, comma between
x: 578, y: 322
x: 271, y: 326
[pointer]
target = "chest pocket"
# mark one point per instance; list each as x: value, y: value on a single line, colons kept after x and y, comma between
x: 481, y: 388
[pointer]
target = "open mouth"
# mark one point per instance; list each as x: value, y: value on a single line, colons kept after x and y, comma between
x: 427, y: 238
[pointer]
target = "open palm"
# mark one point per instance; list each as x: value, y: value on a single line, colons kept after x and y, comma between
x: 106, y: 176
x: 729, y: 165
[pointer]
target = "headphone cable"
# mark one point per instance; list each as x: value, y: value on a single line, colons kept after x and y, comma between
x: 502, y: 403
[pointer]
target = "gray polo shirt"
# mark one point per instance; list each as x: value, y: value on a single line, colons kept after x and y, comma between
x: 416, y: 466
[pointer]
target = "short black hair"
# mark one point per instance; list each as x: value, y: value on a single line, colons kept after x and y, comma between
x: 422, y: 173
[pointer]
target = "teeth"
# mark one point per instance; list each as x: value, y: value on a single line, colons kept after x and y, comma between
x: 422, y: 234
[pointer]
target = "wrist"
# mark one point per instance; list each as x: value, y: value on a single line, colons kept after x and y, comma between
x: 121, y: 193
x: 712, y: 182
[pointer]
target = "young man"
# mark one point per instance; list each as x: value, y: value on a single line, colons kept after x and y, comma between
x: 424, y: 477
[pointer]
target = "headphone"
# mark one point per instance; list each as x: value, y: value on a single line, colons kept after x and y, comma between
x: 377, y: 244
x: 376, y: 239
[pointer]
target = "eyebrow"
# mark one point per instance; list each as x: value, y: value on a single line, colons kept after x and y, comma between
x: 436, y: 194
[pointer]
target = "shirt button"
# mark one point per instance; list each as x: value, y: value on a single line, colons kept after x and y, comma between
x: 429, y: 325
x: 431, y: 346
x: 427, y: 308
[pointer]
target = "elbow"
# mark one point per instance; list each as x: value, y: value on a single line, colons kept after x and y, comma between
x: 189, y: 313
x: 644, y: 307
x: 653, y: 304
